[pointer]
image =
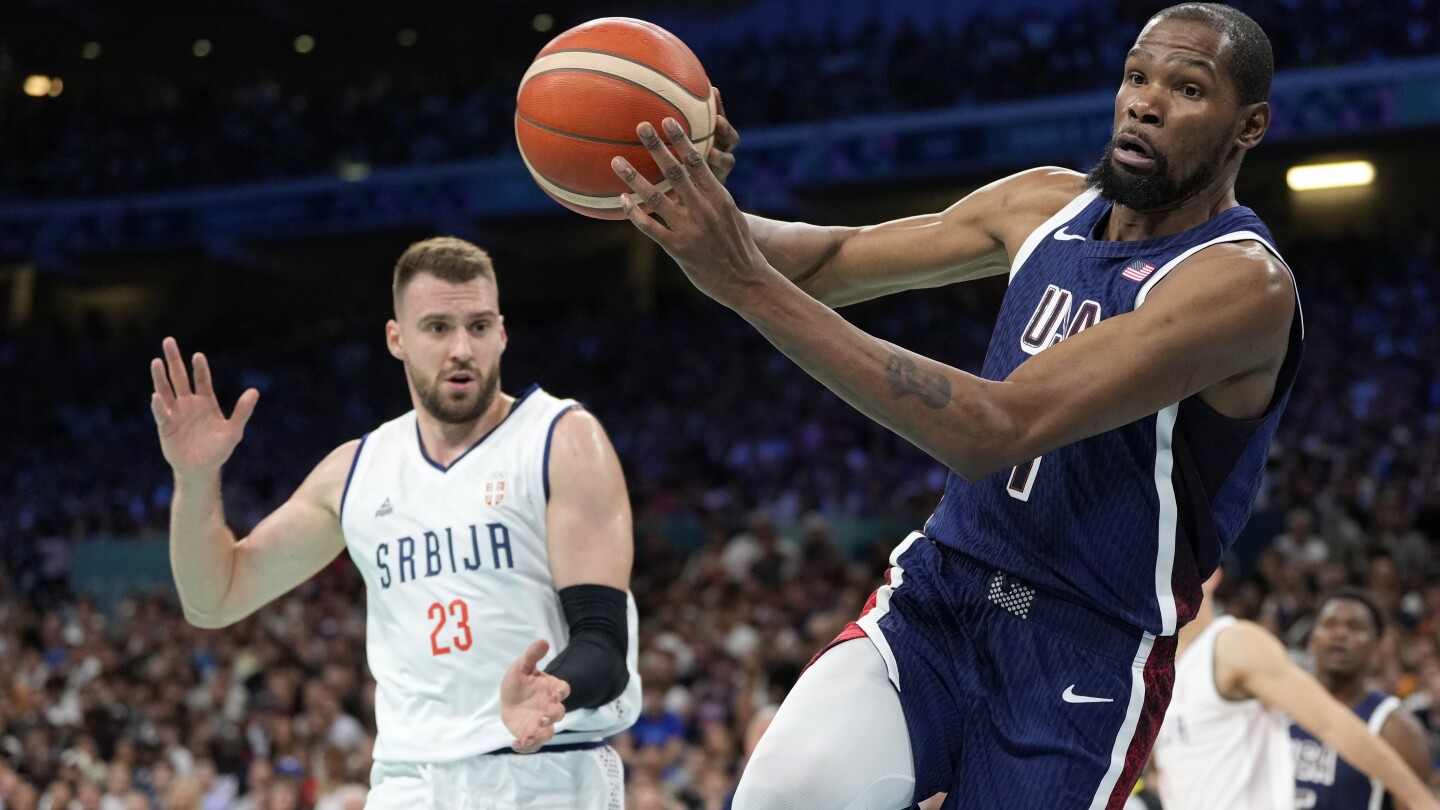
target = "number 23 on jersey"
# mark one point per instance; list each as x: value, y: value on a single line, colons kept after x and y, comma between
x: 457, y: 612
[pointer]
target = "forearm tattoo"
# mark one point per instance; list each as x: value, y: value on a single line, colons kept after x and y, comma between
x: 907, y: 378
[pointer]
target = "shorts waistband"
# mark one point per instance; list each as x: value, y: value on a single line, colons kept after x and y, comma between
x: 1027, y: 602
x: 552, y: 749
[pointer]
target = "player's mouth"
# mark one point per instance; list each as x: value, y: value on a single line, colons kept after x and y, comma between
x: 1133, y: 151
x: 1337, y: 652
x: 459, y: 381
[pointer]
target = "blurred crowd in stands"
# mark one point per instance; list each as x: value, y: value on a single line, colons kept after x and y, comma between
x: 175, y: 131
x: 129, y: 707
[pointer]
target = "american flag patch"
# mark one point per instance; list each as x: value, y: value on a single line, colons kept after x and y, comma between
x: 1138, y: 270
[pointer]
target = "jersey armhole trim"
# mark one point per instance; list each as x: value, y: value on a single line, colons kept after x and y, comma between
x: 549, y: 436
x: 1234, y: 236
x: 1382, y: 713
x: 350, y: 476
x: 1071, y: 210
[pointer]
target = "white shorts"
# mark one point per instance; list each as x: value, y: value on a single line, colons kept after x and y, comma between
x: 588, y: 779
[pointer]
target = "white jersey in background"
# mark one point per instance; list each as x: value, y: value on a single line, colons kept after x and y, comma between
x: 1215, y: 752
x: 458, y: 584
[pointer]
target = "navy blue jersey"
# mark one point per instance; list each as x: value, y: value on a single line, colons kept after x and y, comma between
x: 1129, y: 522
x: 1324, y: 781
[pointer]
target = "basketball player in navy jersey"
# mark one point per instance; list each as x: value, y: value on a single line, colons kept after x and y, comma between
x: 1348, y: 628
x: 489, y: 528
x: 1021, y: 651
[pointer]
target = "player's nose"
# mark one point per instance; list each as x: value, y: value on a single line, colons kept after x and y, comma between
x: 1146, y: 106
x: 459, y: 348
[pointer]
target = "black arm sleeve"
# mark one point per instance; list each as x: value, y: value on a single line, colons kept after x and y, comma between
x: 593, y: 663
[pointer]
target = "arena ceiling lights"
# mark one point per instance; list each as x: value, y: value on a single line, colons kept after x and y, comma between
x: 1330, y: 175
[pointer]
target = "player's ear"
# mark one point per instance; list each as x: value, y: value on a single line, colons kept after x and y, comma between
x: 1254, y: 121
x: 504, y: 336
x: 392, y: 340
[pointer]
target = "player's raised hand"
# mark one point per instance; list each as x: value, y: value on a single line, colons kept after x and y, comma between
x: 699, y: 224
x: 195, y: 436
x: 721, y: 156
x: 531, y: 701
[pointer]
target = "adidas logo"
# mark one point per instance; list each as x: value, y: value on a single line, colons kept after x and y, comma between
x: 385, y: 509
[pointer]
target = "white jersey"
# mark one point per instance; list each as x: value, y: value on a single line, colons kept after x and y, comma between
x: 458, y: 584
x: 1216, y: 752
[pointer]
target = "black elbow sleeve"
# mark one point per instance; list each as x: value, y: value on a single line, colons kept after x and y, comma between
x: 593, y: 663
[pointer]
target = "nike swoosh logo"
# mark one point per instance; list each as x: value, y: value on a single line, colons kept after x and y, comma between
x: 1070, y: 697
x: 1062, y: 235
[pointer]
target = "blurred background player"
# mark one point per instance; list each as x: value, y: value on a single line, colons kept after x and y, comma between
x: 480, y: 521
x: 1225, y: 741
x: 1348, y: 628
x: 1105, y: 458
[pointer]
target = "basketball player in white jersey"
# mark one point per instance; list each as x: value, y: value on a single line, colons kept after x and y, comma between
x: 1225, y: 741
x: 489, y: 529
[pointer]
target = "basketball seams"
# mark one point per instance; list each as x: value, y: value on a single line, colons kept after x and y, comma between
x: 607, y: 202
x: 679, y: 113
x: 609, y: 55
x: 694, y: 139
x: 632, y: 60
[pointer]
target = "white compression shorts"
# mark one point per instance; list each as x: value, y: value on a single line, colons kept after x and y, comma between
x: 839, y: 741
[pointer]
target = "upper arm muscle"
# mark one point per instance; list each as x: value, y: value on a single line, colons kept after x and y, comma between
x: 588, y: 517
x: 294, y: 542
x: 1406, y: 736
x: 973, y: 238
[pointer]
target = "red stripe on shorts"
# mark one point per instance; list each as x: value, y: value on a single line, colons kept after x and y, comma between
x: 1159, y: 684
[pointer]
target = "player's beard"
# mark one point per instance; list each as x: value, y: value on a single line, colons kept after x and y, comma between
x: 453, y: 411
x: 1158, y: 189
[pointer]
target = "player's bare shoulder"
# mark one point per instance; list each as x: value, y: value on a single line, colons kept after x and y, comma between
x: 1247, y: 279
x: 579, y: 439
x: 1044, y: 188
x: 1014, y: 206
x: 1249, y: 265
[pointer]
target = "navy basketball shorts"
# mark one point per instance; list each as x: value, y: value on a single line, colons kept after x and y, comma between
x: 1013, y: 697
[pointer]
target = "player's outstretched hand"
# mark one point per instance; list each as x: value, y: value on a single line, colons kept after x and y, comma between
x: 195, y: 436
x: 721, y: 156
x: 531, y: 701
x: 698, y: 223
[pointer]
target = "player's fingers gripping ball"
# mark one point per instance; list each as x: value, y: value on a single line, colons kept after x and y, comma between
x: 581, y: 99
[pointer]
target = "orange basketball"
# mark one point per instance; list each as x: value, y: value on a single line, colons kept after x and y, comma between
x: 582, y: 98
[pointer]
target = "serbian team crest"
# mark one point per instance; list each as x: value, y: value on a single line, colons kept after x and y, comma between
x: 495, y: 490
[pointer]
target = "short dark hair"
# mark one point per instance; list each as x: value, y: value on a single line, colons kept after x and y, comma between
x: 1248, y: 59
x: 1361, y: 597
x: 447, y: 258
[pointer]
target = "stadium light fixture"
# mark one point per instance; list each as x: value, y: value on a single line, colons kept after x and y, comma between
x: 1316, y: 176
x: 353, y: 171
x: 201, y: 48
x: 36, y: 85
x: 91, y: 50
x: 304, y: 43
x: 56, y: 87
x: 543, y: 22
